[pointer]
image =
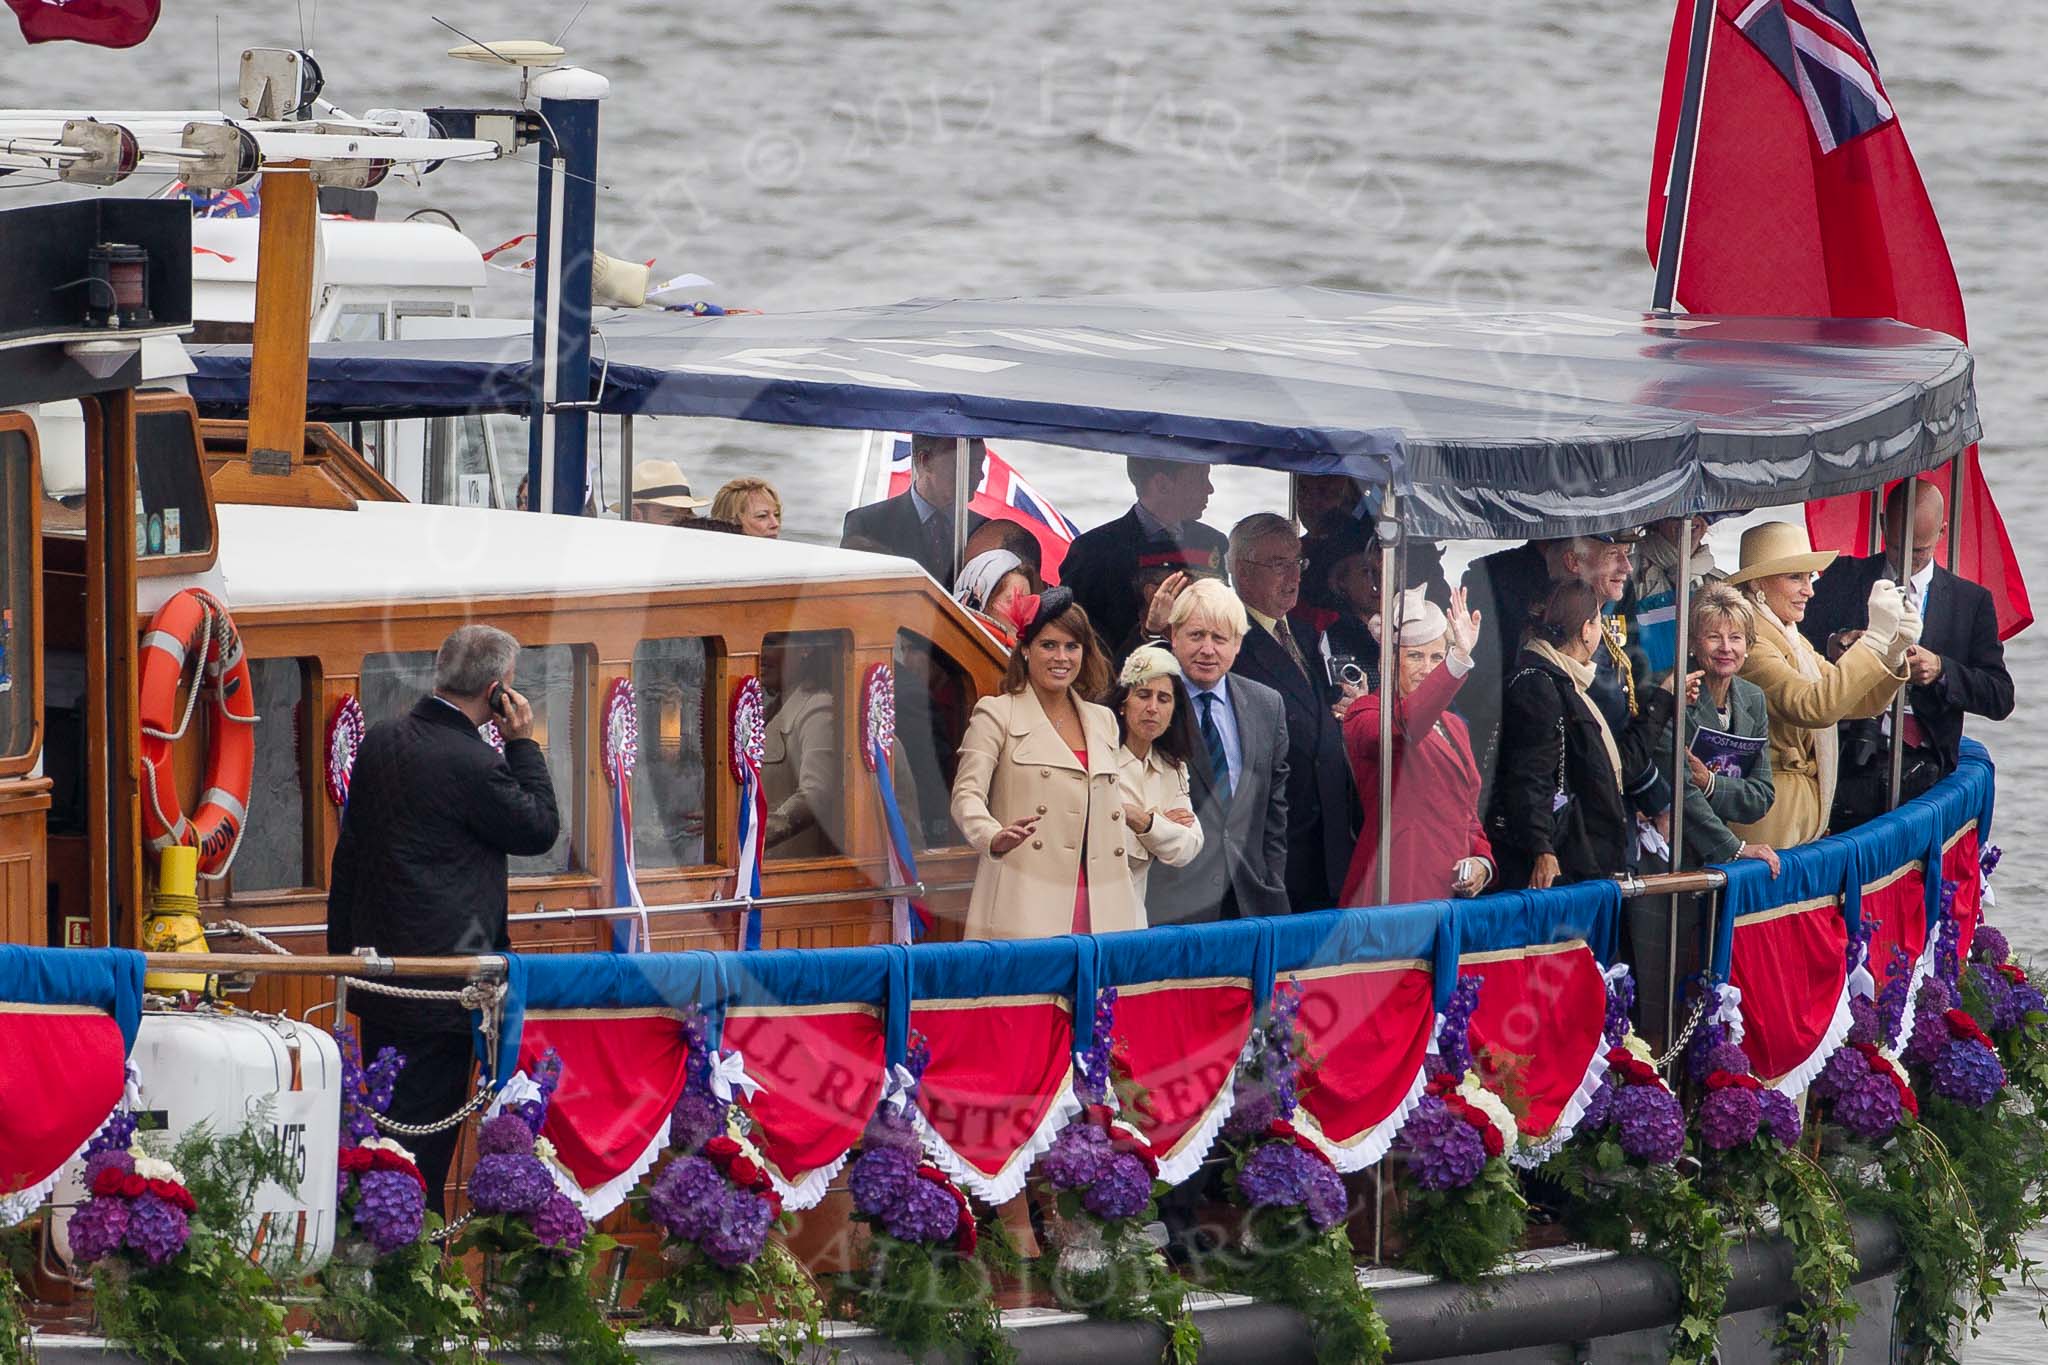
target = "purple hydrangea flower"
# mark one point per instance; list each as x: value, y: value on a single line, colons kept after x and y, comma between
x: 926, y: 1213
x: 97, y: 1229
x: 1274, y: 1176
x: 683, y: 1201
x: 1327, y: 1204
x: 881, y: 1179
x: 1930, y: 1036
x: 887, y: 1128
x: 1990, y: 946
x: 389, y: 1208
x: 1728, y: 1057
x: 1447, y: 1152
x: 1252, y: 1107
x: 1870, y: 1108
x: 504, y: 1135
x: 1651, y: 1123
x: 112, y: 1160
x: 1077, y: 1156
x: 1969, y: 1073
x: 1600, y: 1108
x: 1780, y: 1114
x: 1729, y: 1117
x: 2024, y: 999
x: 156, y: 1229
x: 1865, y: 1023
x: 698, y: 1117
x: 559, y: 1224
x: 1122, y: 1190
x: 1843, y: 1071
x: 738, y: 1228
x: 506, y: 1182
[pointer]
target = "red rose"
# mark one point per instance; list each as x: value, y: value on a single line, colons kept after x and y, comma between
x: 931, y: 1173
x: 1906, y: 1096
x: 1441, y: 1084
x: 774, y: 1203
x: 107, y: 1182
x: 1491, y: 1136
x: 966, y: 1237
x: 1961, y: 1025
x: 742, y: 1172
x: 1280, y: 1128
x: 721, y: 1149
x: 2014, y: 973
x: 1870, y: 1054
x: 133, y: 1186
x: 1101, y: 1115
x: 1732, y: 1080
x: 354, y: 1159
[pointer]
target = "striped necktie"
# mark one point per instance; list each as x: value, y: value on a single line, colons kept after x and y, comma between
x: 1212, y: 739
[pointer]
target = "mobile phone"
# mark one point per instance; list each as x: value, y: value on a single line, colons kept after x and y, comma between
x: 498, y: 703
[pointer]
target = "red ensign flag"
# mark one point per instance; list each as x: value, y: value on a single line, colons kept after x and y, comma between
x: 103, y: 23
x: 1805, y: 201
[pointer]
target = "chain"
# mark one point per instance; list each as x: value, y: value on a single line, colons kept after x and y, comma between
x: 476, y: 1102
x: 449, y: 1232
x: 261, y: 940
x: 1699, y: 1011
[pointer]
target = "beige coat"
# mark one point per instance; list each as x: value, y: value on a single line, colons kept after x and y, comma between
x: 1161, y: 785
x: 1803, y: 718
x: 1013, y: 764
x: 800, y: 776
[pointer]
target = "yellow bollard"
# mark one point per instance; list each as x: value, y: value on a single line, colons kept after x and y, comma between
x: 173, y: 925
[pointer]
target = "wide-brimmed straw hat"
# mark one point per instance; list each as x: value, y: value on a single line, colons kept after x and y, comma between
x: 1778, y: 547
x: 664, y: 483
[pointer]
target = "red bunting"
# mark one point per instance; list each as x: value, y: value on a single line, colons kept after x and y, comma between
x: 820, y: 1070
x: 998, y: 1068
x: 1180, y: 1041
x: 1789, y: 965
x: 1895, y: 909
x: 1539, y: 1026
x: 1368, y: 1026
x: 1959, y: 864
x: 622, y: 1072
x: 61, y: 1070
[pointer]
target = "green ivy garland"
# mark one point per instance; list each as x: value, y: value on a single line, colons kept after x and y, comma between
x: 1465, y: 1234
x: 412, y: 1304
x: 537, y: 1299
x: 698, y: 1295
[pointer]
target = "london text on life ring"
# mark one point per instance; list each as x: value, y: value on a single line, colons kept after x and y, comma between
x: 194, y: 623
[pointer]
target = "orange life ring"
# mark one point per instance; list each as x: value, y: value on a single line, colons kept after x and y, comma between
x: 194, y: 621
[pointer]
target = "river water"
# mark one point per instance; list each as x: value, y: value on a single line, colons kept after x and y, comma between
x: 814, y: 153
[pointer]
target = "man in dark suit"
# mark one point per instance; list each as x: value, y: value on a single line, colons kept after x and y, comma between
x: 918, y: 523
x: 419, y: 869
x: 1101, y: 566
x: 1504, y: 588
x: 1322, y: 822
x: 1957, y: 668
x: 1239, y: 773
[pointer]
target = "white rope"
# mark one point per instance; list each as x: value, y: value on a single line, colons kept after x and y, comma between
x: 261, y: 940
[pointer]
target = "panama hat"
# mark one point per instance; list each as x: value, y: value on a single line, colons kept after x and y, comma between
x: 1778, y: 547
x: 664, y: 483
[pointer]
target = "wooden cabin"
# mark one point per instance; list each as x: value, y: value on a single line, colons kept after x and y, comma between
x: 339, y: 590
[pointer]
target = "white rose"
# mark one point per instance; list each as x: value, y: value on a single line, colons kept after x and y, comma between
x: 1491, y: 1105
x: 385, y: 1144
x: 545, y: 1150
x: 1639, y: 1049
x: 150, y: 1168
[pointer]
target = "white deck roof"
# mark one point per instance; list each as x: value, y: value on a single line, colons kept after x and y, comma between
x: 403, y: 552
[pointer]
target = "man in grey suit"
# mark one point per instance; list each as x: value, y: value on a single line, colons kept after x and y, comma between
x: 1239, y: 772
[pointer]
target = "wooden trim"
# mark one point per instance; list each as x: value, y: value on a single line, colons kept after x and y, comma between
x: 25, y: 761
x: 287, y: 241
x: 158, y: 402
x: 98, y: 775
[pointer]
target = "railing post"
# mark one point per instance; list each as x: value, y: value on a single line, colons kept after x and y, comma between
x: 1904, y: 551
x: 1682, y: 591
x: 1390, y: 597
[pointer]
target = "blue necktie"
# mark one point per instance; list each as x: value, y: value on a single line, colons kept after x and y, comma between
x: 1212, y: 738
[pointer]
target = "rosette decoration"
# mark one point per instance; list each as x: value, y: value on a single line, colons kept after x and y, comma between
x: 137, y: 1210
x: 630, y: 933
x: 909, y: 920
x: 345, y: 730
x: 539, y: 1251
x: 749, y: 727
x: 922, y: 1287
x: 1633, y: 1104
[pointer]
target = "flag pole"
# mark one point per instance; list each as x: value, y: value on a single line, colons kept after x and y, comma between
x: 1678, y: 188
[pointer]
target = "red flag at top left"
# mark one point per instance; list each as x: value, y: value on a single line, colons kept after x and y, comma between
x: 103, y: 23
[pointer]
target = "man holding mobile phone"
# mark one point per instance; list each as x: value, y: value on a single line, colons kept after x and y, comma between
x: 419, y: 871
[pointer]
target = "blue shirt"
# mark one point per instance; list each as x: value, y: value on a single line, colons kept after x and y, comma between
x: 1226, y: 724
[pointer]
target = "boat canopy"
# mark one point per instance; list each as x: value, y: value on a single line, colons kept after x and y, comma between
x: 1486, y: 422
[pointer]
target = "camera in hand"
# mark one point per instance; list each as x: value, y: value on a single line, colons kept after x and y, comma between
x: 1344, y: 668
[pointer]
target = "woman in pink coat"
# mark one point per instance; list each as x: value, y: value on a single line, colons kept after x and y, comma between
x: 1439, y: 845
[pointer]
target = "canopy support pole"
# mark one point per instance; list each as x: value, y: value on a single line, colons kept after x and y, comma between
x: 1390, y: 689
x: 1680, y: 776
x: 1684, y: 149
x: 1904, y: 551
x: 962, y: 494
x: 1956, y: 474
x: 625, y: 467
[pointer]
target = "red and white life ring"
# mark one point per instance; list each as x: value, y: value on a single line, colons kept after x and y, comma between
x: 194, y: 622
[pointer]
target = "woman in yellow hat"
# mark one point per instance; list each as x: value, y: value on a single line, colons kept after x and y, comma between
x: 1808, y: 696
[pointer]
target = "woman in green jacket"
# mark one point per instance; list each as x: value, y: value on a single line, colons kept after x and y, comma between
x: 1728, y: 779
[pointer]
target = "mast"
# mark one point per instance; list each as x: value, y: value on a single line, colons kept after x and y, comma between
x: 558, y: 450
x: 1678, y: 188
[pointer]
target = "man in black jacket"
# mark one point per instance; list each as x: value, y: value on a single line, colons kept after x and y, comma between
x: 1958, y: 667
x: 1101, y: 566
x: 419, y: 869
x: 1322, y: 807
x: 918, y: 522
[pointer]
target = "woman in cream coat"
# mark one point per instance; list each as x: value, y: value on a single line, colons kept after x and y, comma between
x: 1152, y: 712
x: 1038, y: 794
x: 1808, y: 696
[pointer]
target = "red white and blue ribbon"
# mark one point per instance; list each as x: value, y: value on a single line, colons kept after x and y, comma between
x: 344, y: 738
x: 909, y: 920
x: 749, y: 738
x: 621, y: 752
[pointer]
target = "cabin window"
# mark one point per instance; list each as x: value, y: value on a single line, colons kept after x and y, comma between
x: 669, y: 786
x: 20, y: 490
x: 803, y: 767
x: 170, y: 478
x: 549, y: 676
x: 359, y: 324
x: 934, y: 696
x: 273, y: 854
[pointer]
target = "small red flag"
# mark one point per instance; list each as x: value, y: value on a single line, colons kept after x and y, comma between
x: 1806, y: 202
x: 103, y: 23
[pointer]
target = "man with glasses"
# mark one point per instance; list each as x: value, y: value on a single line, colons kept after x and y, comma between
x: 1322, y: 807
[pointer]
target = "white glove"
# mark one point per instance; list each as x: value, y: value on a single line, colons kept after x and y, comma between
x: 1909, y: 626
x: 1887, y: 607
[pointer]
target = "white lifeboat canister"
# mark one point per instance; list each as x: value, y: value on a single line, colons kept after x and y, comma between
x: 221, y: 1070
